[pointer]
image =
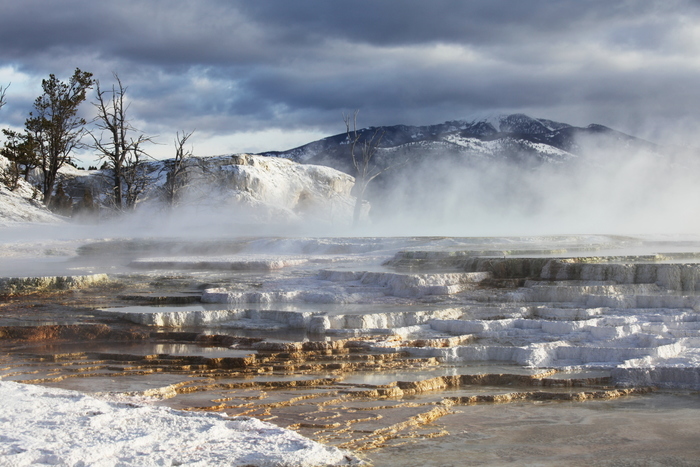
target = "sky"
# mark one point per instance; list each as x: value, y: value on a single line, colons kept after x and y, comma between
x: 253, y: 76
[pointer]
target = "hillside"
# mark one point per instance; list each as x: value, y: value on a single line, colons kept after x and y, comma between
x: 250, y: 189
x: 19, y: 206
x: 256, y: 189
x: 515, y: 138
x: 512, y: 167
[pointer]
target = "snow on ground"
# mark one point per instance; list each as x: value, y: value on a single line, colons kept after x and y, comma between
x: 16, y: 209
x: 491, y: 148
x: 18, y: 206
x: 243, y: 187
x: 257, y: 188
x: 50, y: 426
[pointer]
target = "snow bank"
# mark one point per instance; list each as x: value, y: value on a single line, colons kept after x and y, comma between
x: 24, y: 204
x: 15, y: 208
x: 52, y: 426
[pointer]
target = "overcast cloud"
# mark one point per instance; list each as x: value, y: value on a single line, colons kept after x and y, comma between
x: 270, y: 75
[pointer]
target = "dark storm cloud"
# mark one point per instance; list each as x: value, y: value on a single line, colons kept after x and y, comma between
x: 242, y: 66
x: 417, y: 21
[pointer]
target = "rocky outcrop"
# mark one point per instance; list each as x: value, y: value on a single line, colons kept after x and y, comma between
x: 251, y: 187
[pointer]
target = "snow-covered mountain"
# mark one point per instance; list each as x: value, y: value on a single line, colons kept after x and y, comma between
x: 513, y: 138
x: 494, y: 163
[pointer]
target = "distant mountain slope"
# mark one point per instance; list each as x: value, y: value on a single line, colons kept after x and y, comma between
x: 515, y: 138
x: 505, y: 165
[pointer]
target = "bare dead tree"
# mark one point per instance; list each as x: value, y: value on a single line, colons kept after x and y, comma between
x: 9, y: 176
x: 118, y: 148
x: 3, y: 92
x: 135, y: 174
x: 176, y: 170
x: 362, y: 151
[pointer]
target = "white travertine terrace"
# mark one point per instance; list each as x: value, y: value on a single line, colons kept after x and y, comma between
x: 220, y: 263
x: 636, y: 316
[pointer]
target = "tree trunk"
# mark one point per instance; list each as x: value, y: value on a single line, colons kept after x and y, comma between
x: 359, y: 190
x: 49, y: 180
x: 118, y: 194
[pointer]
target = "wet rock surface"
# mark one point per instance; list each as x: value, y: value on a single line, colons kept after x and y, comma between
x: 378, y: 359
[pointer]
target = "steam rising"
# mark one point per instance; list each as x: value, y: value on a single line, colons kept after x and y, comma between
x: 606, y: 191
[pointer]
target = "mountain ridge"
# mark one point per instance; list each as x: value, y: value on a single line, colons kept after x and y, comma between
x: 517, y: 135
x: 513, y: 164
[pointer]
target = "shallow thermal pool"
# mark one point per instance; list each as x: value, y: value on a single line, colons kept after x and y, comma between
x: 658, y: 429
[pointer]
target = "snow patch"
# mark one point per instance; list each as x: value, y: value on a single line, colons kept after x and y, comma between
x: 58, y: 427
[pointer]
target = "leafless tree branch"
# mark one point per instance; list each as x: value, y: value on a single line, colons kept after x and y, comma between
x: 176, y: 170
x: 3, y: 92
x: 362, y: 151
x: 114, y: 143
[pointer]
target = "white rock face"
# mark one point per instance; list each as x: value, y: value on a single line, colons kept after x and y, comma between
x: 681, y: 277
x: 408, y: 285
x: 237, y: 318
x: 249, y: 318
x: 351, y: 287
x: 298, y: 190
x: 374, y: 321
x: 620, y: 316
x: 248, y: 188
x: 257, y: 189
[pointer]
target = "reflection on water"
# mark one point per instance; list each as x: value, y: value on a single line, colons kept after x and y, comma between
x: 120, y: 384
x: 463, y: 368
x: 146, y: 348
